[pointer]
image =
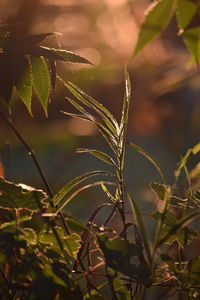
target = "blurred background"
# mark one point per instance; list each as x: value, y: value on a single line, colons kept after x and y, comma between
x: 165, y: 109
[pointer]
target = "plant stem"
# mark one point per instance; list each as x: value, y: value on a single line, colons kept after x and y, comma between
x: 38, y: 167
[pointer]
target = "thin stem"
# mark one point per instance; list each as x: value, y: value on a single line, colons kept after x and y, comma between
x: 38, y: 167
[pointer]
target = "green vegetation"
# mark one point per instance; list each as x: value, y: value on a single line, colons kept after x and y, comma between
x: 47, y: 254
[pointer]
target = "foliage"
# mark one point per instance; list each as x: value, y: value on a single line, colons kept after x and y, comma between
x: 26, y: 65
x: 158, y: 16
x: 47, y: 254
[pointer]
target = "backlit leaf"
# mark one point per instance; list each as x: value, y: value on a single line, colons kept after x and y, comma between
x: 69, y: 56
x: 23, y: 80
x: 160, y: 190
x: 99, y: 154
x: 158, y: 15
x: 186, y: 9
x: 73, y: 183
x: 41, y: 80
x: 191, y: 38
x: 20, y: 196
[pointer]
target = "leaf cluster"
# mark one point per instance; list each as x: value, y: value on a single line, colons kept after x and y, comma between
x: 159, y: 14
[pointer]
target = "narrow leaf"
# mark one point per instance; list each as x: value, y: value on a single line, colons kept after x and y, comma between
x: 149, y: 157
x: 41, y: 80
x: 140, y: 225
x: 68, y: 198
x: 160, y: 190
x: 74, y: 182
x: 103, y: 112
x: 158, y: 15
x: 105, y: 132
x: 191, y: 152
x: 101, y: 155
x: 109, y: 195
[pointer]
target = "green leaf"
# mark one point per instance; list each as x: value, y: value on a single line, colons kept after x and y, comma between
x: 69, y: 56
x: 104, y: 131
x: 191, y: 38
x: 140, y: 225
x: 74, y: 225
x: 103, y: 112
x: 149, y: 157
x: 52, y: 66
x: 15, y: 222
x: 161, y: 190
x: 109, y: 195
x: 180, y: 223
x: 20, y: 196
x: 70, y: 243
x: 158, y: 15
x: 191, y: 152
x: 101, y: 155
x: 68, y: 198
x: 185, y: 11
x: 126, y: 102
x: 73, y: 183
x: 118, y: 254
x: 41, y: 80
x: 23, y: 80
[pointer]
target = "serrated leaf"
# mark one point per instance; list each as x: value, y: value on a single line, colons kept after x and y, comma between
x: 73, y: 241
x: 161, y: 190
x: 158, y: 15
x: 69, y: 56
x: 20, y: 196
x: 185, y: 11
x: 41, y: 80
x: 57, y: 54
x: 23, y: 79
x: 70, y: 243
x: 149, y: 157
x: 52, y: 65
x: 99, y: 154
x: 73, y: 183
x: 140, y: 226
